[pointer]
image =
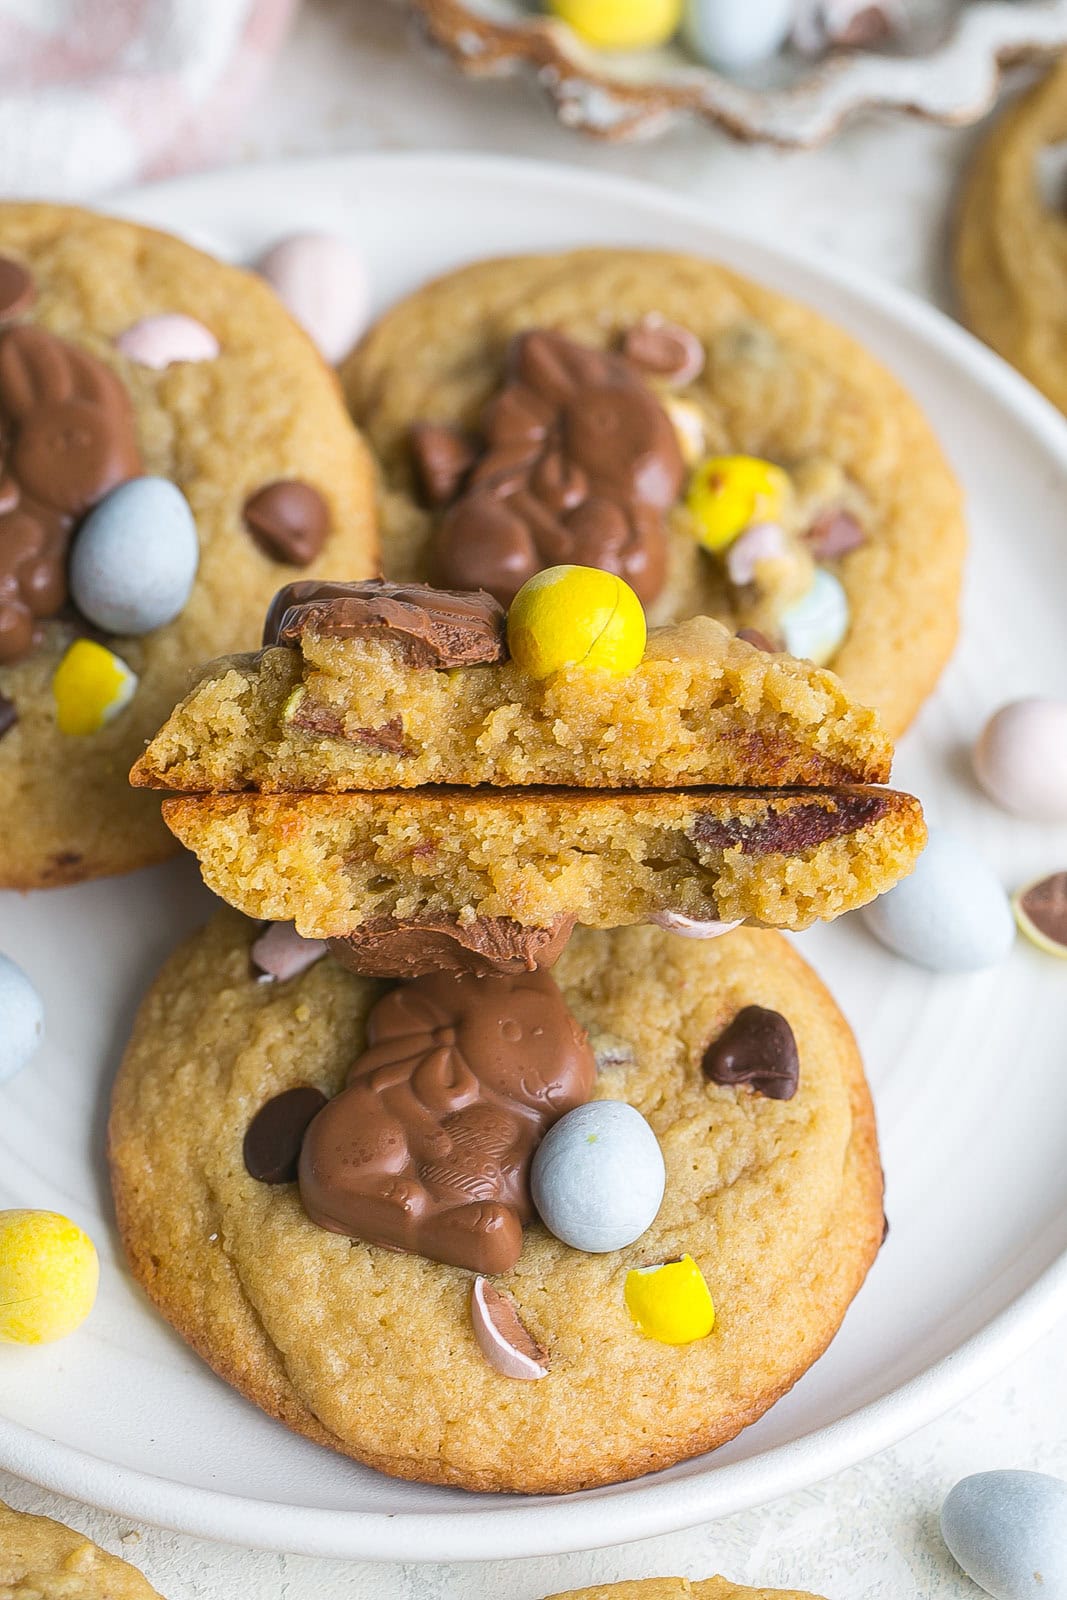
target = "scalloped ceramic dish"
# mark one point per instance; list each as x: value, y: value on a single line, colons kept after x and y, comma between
x: 946, y: 67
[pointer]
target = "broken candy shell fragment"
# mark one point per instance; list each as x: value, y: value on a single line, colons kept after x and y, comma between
x: 573, y: 616
x: 280, y: 952
x: 670, y: 1302
x: 91, y: 686
x: 505, y: 1343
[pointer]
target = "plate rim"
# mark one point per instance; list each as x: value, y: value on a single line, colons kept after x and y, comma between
x: 636, y: 1511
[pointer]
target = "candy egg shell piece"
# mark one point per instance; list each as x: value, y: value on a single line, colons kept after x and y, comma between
x: 597, y: 1177
x: 91, y: 686
x: 763, y: 541
x: 727, y: 494
x: 21, y: 1019
x: 280, y: 952
x: 620, y: 24
x: 737, y: 33
x: 1008, y: 1531
x: 48, y: 1276
x: 576, y: 617
x: 323, y: 282
x: 950, y: 915
x: 134, y: 559
x: 690, y: 927
x: 814, y: 627
x: 670, y: 1302
x: 1020, y: 758
x: 502, y: 1338
x: 163, y: 340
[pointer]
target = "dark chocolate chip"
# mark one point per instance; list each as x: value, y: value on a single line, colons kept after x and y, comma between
x: 8, y: 715
x: 443, y: 456
x: 757, y: 1049
x: 17, y: 289
x: 288, y: 520
x: 276, y: 1133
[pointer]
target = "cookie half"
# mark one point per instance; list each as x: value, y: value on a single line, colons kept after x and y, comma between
x: 43, y: 1560
x: 680, y: 1589
x: 263, y: 411
x: 372, y: 1352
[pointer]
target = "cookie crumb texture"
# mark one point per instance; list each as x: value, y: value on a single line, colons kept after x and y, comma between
x: 779, y: 383
x: 373, y: 1353
x: 680, y: 1589
x: 42, y: 1560
x: 264, y: 408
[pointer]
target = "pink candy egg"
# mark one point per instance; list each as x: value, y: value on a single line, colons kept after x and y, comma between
x: 323, y: 282
x: 1020, y: 758
x: 163, y: 340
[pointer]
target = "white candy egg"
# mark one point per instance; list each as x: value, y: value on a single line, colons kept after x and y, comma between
x: 951, y: 915
x: 1020, y: 758
x: 323, y: 281
x: 737, y: 33
x: 134, y: 559
x: 814, y: 627
x: 1008, y: 1531
x: 21, y: 1019
x: 597, y: 1176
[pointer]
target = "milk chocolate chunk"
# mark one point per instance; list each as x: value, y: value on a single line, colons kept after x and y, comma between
x: 443, y: 456
x: 580, y: 464
x: 834, y: 534
x: 664, y: 349
x: 17, y: 289
x: 288, y: 520
x: 1045, y: 904
x: 8, y: 715
x: 758, y: 1049
x: 428, y: 1149
x: 276, y: 1132
x: 793, y: 828
x: 67, y: 437
x: 391, y: 947
x: 428, y: 627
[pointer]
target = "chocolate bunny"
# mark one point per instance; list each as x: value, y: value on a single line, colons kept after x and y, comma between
x: 428, y: 1149
x: 579, y: 464
x: 67, y: 436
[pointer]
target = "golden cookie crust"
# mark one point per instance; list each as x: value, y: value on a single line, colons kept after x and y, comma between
x: 779, y: 381
x: 680, y: 1589
x: 1010, y: 251
x: 42, y: 1560
x: 371, y: 1352
x: 267, y: 407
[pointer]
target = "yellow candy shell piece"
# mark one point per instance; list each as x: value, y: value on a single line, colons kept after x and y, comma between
x: 91, y: 685
x: 727, y: 494
x: 576, y: 617
x: 1041, y: 911
x: 671, y: 1303
x: 621, y: 24
x: 48, y: 1276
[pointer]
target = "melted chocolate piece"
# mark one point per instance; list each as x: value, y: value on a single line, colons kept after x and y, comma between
x: 580, y: 464
x: 428, y: 1149
x: 834, y: 534
x: 758, y: 640
x: 289, y: 521
x: 443, y: 456
x: 664, y: 349
x: 67, y: 437
x: 276, y: 1133
x: 795, y: 828
x: 17, y: 289
x: 390, y: 947
x: 1045, y: 903
x: 324, y: 722
x: 429, y: 627
x: 8, y: 715
x: 757, y: 1049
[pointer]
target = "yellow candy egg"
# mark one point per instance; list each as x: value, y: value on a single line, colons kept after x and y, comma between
x: 727, y: 494
x: 48, y: 1276
x: 576, y: 617
x: 621, y: 24
x: 91, y: 685
x: 671, y: 1303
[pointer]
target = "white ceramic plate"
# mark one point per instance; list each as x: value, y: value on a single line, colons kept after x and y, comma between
x: 968, y: 1072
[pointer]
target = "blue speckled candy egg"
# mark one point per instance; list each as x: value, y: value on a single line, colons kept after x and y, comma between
x: 814, y: 627
x: 597, y: 1176
x: 729, y: 34
x: 1008, y: 1531
x: 135, y: 557
x: 951, y: 915
x: 21, y: 1019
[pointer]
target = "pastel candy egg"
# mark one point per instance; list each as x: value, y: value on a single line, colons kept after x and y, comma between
x: 670, y: 1302
x: 323, y: 281
x: 1020, y: 758
x: 813, y: 628
x: 576, y: 617
x: 597, y: 1177
x: 737, y: 33
x: 91, y: 686
x: 1008, y: 1531
x: 21, y: 1019
x: 134, y: 560
x: 48, y: 1276
x: 166, y: 339
x: 620, y: 24
x: 951, y: 915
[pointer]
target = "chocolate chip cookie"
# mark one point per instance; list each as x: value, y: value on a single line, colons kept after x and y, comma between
x: 223, y: 397
x: 378, y: 1352
x: 42, y: 1560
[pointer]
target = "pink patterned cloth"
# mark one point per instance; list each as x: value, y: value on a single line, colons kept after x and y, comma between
x: 95, y: 94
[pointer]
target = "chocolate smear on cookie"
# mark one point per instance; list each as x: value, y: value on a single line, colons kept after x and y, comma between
x: 757, y: 1049
x: 428, y: 627
x: 289, y: 521
x: 393, y: 947
x: 794, y: 828
x: 580, y: 464
x: 17, y: 289
x: 428, y: 1149
x: 276, y: 1133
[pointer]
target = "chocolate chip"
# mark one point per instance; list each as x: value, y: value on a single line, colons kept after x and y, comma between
x: 664, y: 349
x: 1045, y: 904
x: 427, y: 627
x: 391, y: 947
x: 759, y: 640
x: 797, y: 824
x: 833, y: 534
x: 276, y: 1133
x: 443, y: 456
x: 17, y: 289
x: 288, y: 520
x: 8, y: 715
x: 885, y: 1227
x: 757, y: 1049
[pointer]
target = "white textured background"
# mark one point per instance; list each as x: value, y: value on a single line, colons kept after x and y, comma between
x: 881, y: 196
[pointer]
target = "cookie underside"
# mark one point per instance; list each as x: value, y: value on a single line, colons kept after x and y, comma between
x: 679, y: 1589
